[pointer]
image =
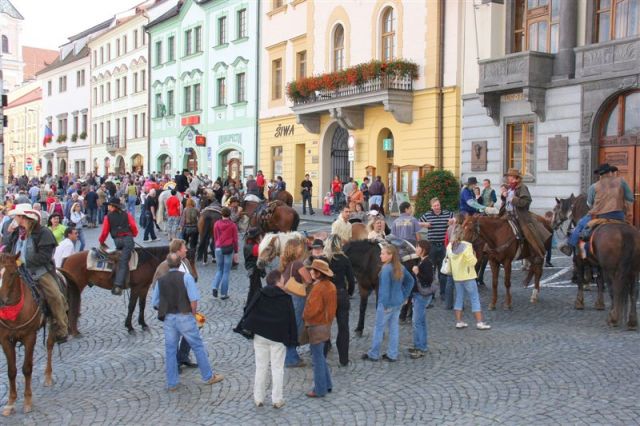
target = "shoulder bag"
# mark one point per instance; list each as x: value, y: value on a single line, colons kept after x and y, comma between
x: 292, y: 286
x: 446, y: 266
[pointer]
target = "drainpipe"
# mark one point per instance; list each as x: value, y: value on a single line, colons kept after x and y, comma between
x: 258, y: 66
x: 148, y: 124
x: 439, y: 85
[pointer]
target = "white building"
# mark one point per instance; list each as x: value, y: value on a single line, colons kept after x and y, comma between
x: 119, y: 84
x: 11, y: 48
x: 65, y: 92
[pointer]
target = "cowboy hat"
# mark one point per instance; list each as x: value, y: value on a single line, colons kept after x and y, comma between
x: 321, y: 266
x: 317, y: 243
x: 25, y: 210
x: 604, y: 168
x: 115, y: 202
x: 513, y: 172
x: 472, y: 181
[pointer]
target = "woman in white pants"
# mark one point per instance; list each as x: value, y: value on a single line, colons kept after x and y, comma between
x: 270, y: 320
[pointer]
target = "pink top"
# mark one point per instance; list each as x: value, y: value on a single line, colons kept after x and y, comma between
x: 225, y: 233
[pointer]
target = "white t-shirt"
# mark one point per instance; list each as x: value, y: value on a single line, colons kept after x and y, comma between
x: 65, y: 248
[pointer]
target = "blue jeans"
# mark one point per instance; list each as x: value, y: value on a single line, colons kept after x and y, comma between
x: 375, y: 199
x: 471, y: 288
x: 420, y: 329
x: 149, y: 228
x: 221, y: 280
x: 574, y: 238
x: 92, y: 215
x: 292, y: 357
x: 321, y: 374
x: 81, y: 238
x: 101, y: 214
x: 176, y: 325
x: 390, y: 316
x: 131, y: 204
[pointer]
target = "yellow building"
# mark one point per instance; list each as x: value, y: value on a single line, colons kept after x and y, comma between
x: 396, y: 127
x: 21, y: 136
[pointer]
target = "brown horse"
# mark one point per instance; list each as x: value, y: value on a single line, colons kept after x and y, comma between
x: 282, y: 219
x: 24, y: 329
x: 208, y: 217
x: 75, y: 270
x: 501, y: 246
x: 283, y: 196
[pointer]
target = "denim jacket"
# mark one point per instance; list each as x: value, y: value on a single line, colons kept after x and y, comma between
x: 392, y: 293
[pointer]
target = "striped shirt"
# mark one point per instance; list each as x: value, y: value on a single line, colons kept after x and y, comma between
x: 439, y: 224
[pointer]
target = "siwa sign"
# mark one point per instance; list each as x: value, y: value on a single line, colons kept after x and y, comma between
x: 282, y: 131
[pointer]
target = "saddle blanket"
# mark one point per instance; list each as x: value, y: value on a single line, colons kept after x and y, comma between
x: 102, y: 263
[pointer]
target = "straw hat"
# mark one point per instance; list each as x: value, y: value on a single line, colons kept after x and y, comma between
x: 321, y: 266
x: 26, y: 210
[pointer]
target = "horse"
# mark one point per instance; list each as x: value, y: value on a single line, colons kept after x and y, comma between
x: 14, y: 293
x: 208, y: 217
x: 273, y: 243
x: 75, y: 271
x: 365, y: 260
x: 502, y: 247
x: 282, y: 218
x: 566, y: 214
x: 283, y: 196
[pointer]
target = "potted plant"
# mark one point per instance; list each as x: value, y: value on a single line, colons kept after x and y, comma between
x: 83, y: 135
x: 74, y: 137
x: 61, y: 138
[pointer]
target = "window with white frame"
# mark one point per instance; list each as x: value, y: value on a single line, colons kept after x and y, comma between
x: 241, y: 95
x: 338, y: 48
x: 388, y: 35
x: 221, y: 92
x: 242, y: 23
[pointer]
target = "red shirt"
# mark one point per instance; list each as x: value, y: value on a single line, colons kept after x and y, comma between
x: 260, y: 181
x: 225, y: 233
x: 106, y: 228
x: 336, y: 186
x: 173, y: 206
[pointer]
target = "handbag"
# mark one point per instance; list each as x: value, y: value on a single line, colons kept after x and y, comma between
x: 318, y: 333
x: 293, y: 286
x: 226, y: 249
x: 446, y: 266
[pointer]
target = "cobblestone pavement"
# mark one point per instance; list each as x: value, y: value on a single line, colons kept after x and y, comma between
x: 540, y: 364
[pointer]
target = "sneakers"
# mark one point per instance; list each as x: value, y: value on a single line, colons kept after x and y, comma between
x: 214, y: 379
x: 461, y: 324
x: 416, y: 353
x: 214, y: 292
x: 483, y: 326
x: 259, y: 403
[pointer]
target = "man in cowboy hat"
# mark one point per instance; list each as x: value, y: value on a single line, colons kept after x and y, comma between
x: 121, y: 225
x: 517, y: 199
x: 36, y: 244
x: 468, y: 203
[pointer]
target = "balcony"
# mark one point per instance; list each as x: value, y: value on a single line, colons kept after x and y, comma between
x: 616, y: 56
x: 526, y: 72
x: 346, y: 104
x: 113, y: 144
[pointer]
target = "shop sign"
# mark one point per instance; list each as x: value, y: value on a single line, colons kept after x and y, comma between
x: 387, y: 144
x: 190, y: 120
x: 282, y: 131
x: 232, y: 138
x: 201, y: 140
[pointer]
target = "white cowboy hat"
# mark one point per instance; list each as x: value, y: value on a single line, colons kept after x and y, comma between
x: 26, y: 210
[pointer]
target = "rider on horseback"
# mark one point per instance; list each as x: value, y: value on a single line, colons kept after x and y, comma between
x: 36, y: 245
x: 122, y: 227
x: 517, y: 199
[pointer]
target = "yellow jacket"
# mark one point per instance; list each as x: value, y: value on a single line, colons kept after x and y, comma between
x: 462, y: 263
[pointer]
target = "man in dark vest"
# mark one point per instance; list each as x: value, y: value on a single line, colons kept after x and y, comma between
x: 182, y: 181
x: 176, y: 296
x: 121, y: 225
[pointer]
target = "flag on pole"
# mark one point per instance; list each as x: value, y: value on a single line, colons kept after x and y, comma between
x: 48, y: 136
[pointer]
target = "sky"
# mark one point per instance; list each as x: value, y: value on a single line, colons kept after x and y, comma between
x: 49, y: 23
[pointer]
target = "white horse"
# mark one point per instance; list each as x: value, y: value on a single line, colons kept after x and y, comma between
x: 273, y: 243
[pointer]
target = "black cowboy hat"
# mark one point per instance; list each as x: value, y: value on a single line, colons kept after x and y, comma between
x: 115, y: 202
x: 253, y: 232
x: 472, y: 181
x: 604, y: 168
x: 317, y: 243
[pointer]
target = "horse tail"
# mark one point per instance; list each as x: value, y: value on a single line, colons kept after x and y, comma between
x: 203, y: 244
x: 296, y: 221
x: 625, y: 270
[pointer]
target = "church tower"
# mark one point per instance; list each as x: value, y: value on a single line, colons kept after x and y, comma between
x: 11, y: 60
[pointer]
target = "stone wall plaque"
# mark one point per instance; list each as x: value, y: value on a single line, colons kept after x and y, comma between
x: 314, y: 159
x: 479, y: 156
x: 558, y: 153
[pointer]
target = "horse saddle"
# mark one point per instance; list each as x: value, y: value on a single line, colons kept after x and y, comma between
x: 105, y: 261
x: 252, y: 198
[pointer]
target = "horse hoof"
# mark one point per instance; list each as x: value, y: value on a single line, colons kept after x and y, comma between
x: 579, y: 306
x: 508, y: 308
x: 599, y: 306
x: 632, y: 327
x: 8, y: 410
x: 27, y: 409
x: 492, y: 307
x: 131, y: 331
x: 48, y: 382
x: 145, y: 327
x: 358, y: 333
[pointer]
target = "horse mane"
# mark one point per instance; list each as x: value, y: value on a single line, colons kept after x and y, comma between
x: 152, y: 254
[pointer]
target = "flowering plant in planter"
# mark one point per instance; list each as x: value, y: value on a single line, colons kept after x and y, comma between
x: 61, y: 138
x: 301, y: 89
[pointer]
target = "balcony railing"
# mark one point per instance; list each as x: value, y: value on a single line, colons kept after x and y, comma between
x: 403, y: 83
x: 113, y: 143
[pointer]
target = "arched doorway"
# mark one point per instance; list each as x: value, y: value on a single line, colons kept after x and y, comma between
x: 164, y: 164
x: 190, y: 161
x: 63, y: 167
x: 120, y: 167
x: 385, y: 170
x: 107, y: 164
x: 49, y: 167
x: 136, y: 164
x: 619, y: 140
x: 340, y: 153
x: 231, y: 165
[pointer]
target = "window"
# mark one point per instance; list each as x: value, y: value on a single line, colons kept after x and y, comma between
x: 80, y: 78
x: 135, y: 39
x: 95, y: 134
x: 124, y: 86
x: 117, y: 88
x: 143, y: 80
x: 159, y: 106
x: 95, y: 96
x: 101, y: 132
x: 624, y: 23
x: 276, y: 162
x: 186, y: 106
x: 101, y: 55
x: 521, y: 140
x: 135, y: 82
x: 536, y: 25
x: 135, y: 126
x: 623, y: 117
x: 276, y: 79
x: 124, y: 129
x: 222, y: 92
x: 108, y: 52
x: 108, y: 90
x: 49, y: 88
x: 76, y: 124
x: 301, y: 64
x: 187, y: 43
x: 143, y: 126
x: 5, y: 44
x: 102, y: 93
x: 84, y: 122
x: 170, y: 102
x: 171, y: 49
x: 124, y: 44
x: 117, y: 47
x: 197, y: 35
x: 338, y: 48
x: 222, y: 30
x: 196, y: 97
x: 144, y: 37
x: 158, y: 53
x: 388, y: 35
x: 62, y: 126
x: 241, y: 95
x: 242, y: 23
x: 62, y: 84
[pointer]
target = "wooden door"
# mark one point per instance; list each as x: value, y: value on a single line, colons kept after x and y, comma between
x: 627, y: 160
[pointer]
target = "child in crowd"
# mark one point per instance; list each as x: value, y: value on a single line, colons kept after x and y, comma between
x: 328, y: 202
